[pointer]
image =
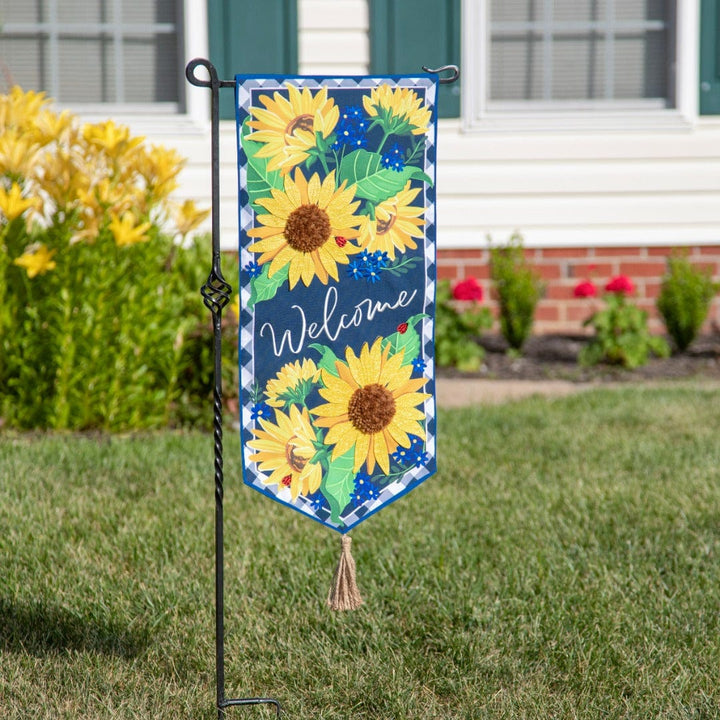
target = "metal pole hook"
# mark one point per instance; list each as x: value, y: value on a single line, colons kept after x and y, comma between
x: 444, y: 80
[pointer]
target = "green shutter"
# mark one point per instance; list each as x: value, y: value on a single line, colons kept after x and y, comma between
x: 710, y: 57
x: 407, y: 34
x: 247, y: 36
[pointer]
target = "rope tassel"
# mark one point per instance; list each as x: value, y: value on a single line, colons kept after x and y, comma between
x: 344, y: 593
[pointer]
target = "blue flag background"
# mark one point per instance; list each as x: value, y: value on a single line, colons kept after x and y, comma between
x: 337, y: 288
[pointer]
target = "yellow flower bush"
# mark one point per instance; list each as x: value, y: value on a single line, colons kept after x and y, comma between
x: 98, y: 297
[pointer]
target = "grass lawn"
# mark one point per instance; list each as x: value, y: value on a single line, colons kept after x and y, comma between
x: 565, y: 563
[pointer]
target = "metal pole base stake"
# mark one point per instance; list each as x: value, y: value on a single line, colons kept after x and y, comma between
x: 216, y: 295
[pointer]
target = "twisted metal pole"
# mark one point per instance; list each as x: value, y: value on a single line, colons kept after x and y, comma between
x: 216, y: 295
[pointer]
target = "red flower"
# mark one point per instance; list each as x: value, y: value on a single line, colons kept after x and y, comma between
x: 585, y: 289
x: 620, y: 284
x: 402, y: 328
x: 468, y: 289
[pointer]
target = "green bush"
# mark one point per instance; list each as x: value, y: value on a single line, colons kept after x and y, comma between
x: 621, y: 335
x: 101, y: 320
x: 684, y: 300
x: 457, y: 324
x: 519, y: 290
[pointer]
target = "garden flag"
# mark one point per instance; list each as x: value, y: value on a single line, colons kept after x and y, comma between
x: 337, y: 290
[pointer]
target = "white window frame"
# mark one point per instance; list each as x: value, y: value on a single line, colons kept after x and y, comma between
x: 479, y: 116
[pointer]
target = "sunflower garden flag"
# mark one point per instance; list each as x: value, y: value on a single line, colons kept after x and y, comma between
x: 337, y: 289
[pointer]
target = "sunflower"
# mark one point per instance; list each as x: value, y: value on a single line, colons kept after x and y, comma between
x: 308, y: 227
x: 371, y: 406
x: 395, y: 225
x: 401, y: 109
x: 287, y: 126
x: 288, y: 381
x: 285, y: 447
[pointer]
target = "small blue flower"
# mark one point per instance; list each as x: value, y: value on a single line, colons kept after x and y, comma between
x: 421, y: 459
x: 414, y: 455
x: 400, y: 455
x: 351, y: 129
x: 372, y: 492
x: 353, y: 113
x: 364, y: 489
x: 418, y: 364
x: 393, y: 159
x: 380, y: 259
x: 260, y: 410
x: 317, y: 501
x: 355, y: 270
x: 253, y: 269
x: 372, y: 275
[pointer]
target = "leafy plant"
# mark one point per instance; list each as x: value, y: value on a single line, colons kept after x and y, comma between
x: 99, y: 302
x: 519, y: 290
x: 684, y: 300
x: 621, y: 333
x: 458, y: 321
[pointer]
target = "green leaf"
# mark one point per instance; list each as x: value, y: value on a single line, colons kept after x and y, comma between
x: 373, y: 181
x: 408, y: 342
x: 260, y: 180
x: 264, y: 287
x: 338, y: 483
x: 328, y: 358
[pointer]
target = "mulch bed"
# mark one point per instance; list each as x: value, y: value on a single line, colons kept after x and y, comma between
x: 555, y: 357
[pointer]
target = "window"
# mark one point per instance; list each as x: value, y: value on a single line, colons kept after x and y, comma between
x: 587, y: 58
x: 602, y: 51
x: 84, y: 52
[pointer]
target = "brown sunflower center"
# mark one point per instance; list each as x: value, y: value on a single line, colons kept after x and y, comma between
x: 295, y: 461
x: 371, y: 408
x: 384, y: 226
x: 301, y: 122
x: 307, y: 228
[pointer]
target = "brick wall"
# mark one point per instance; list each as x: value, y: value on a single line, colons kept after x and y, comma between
x: 563, y: 268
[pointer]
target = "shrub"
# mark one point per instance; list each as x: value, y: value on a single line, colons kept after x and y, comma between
x: 621, y: 332
x: 684, y: 301
x: 99, y: 301
x: 519, y: 290
x: 458, y: 320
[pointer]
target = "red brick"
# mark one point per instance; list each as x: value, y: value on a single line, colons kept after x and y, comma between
x: 708, y: 250
x: 564, y: 252
x: 652, y: 288
x: 577, y: 313
x: 590, y: 270
x: 631, y: 252
x: 642, y: 269
x: 447, y: 272
x: 462, y: 254
x: 556, y: 291
x: 481, y: 272
x: 660, y: 251
x: 547, y: 312
x: 548, y: 271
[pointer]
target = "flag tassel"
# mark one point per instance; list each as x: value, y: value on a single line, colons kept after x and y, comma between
x: 344, y: 593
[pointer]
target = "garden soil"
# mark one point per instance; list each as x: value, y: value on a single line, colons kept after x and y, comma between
x: 549, y: 366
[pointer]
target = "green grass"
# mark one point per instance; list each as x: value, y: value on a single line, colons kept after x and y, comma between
x: 563, y: 564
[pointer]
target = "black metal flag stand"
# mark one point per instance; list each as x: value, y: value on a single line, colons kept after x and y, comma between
x: 216, y: 295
